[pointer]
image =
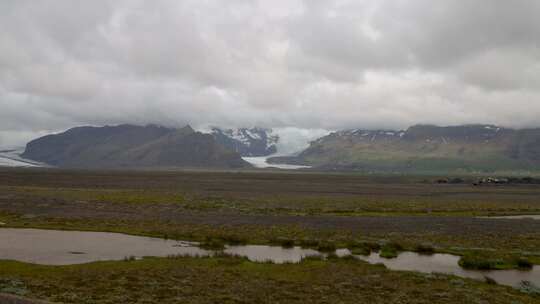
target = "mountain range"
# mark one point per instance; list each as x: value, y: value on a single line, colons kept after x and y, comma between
x: 418, y: 149
x: 424, y: 148
x: 130, y: 146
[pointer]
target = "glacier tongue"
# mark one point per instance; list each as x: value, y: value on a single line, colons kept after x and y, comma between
x: 261, y: 162
x: 12, y: 158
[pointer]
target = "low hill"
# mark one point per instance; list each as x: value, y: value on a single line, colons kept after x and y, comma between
x: 425, y: 148
x: 130, y: 146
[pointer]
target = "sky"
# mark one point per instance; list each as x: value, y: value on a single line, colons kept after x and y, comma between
x: 284, y: 64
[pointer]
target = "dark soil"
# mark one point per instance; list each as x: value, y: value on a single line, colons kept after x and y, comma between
x: 250, y: 185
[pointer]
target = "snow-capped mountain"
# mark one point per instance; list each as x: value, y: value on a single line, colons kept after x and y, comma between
x: 247, y: 141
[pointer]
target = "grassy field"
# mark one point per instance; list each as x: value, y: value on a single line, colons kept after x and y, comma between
x: 307, y: 209
x: 274, y: 193
x: 235, y: 280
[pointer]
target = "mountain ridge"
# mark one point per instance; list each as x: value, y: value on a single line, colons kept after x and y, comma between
x: 425, y: 148
x: 131, y: 146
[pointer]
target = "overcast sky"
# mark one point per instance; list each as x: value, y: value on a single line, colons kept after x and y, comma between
x: 321, y: 64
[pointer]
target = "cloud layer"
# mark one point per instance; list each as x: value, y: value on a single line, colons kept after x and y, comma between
x: 309, y: 64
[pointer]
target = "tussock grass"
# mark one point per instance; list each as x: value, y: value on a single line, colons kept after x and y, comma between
x: 326, y: 246
x: 228, y: 279
x: 212, y: 244
x: 390, y: 250
x: 425, y: 248
x: 492, y: 261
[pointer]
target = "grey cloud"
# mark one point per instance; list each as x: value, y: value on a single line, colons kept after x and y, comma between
x: 282, y: 64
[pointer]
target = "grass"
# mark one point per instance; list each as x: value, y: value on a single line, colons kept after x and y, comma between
x: 13, y: 286
x: 390, y: 250
x: 226, y: 279
x: 490, y: 281
x: 483, y: 261
x: 326, y: 246
x: 216, y: 237
x: 212, y: 244
x: 524, y: 263
x: 147, y: 203
x: 273, y: 194
x: 113, y: 196
x: 361, y: 251
x: 363, y: 247
x: 529, y: 288
x: 425, y: 248
x: 283, y: 242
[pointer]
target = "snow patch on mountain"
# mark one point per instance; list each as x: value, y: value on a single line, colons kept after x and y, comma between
x: 285, y: 140
x: 247, y: 141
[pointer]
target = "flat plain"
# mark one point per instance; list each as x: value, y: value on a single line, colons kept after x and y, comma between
x: 269, y: 207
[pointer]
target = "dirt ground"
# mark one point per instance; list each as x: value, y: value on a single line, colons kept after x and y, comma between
x: 259, y: 207
x: 268, y: 186
x: 10, y: 299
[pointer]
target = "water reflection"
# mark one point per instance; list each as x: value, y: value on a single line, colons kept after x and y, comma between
x: 261, y: 253
x: 53, y: 247
x: 447, y: 263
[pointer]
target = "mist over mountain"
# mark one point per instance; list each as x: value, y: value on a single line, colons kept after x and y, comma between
x: 331, y: 65
x: 130, y: 146
x: 157, y: 137
x: 420, y: 148
x: 425, y: 148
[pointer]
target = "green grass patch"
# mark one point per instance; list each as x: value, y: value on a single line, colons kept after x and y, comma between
x: 487, y: 261
x: 212, y: 244
x: 390, y: 250
x: 225, y: 279
x: 425, y: 248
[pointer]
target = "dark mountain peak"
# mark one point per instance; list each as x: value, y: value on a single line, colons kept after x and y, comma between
x: 131, y: 146
x: 187, y: 129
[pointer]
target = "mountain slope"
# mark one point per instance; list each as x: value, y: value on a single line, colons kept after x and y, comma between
x: 426, y: 148
x: 129, y: 146
x: 247, y: 142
